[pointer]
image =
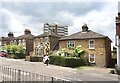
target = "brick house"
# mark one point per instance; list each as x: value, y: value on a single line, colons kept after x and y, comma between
x: 7, y: 40
x: 97, y: 46
x: 46, y: 43
x: 26, y: 41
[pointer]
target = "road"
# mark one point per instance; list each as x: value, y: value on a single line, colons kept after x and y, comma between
x: 58, y: 71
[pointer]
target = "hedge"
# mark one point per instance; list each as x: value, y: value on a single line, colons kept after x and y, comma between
x: 66, y: 61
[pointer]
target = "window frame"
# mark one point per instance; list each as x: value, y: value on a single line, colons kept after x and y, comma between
x: 19, y: 42
x: 36, y: 41
x: 41, y: 41
x: 46, y: 39
x: 70, y: 43
x: 23, y: 42
x: 91, y: 58
x: 91, y: 46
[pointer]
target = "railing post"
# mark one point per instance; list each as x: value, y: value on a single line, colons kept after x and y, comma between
x: 19, y: 71
x: 52, y: 80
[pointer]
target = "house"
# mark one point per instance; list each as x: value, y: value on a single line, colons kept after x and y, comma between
x: 7, y: 40
x: 26, y: 40
x: 97, y: 46
x: 46, y: 43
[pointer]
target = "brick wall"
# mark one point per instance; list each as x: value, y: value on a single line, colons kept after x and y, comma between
x: 102, y: 49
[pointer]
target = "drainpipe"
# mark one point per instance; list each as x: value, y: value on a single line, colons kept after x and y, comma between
x: 118, y: 51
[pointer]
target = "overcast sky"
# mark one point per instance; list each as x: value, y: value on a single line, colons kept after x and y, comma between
x: 17, y: 16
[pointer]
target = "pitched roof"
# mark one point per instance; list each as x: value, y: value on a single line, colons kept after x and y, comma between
x: 7, y: 38
x: 48, y: 34
x: 84, y: 35
x: 25, y: 36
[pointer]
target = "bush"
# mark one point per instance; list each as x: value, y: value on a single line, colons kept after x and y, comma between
x: 66, y: 61
x: 56, y: 60
x: 19, y: 56
x: 33, y: 59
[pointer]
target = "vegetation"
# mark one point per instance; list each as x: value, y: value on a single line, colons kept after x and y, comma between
x: 66, y: 61
x: 71, y: 52
x: 17, y: 50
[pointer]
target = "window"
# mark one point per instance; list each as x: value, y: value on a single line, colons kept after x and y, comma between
x: 92, y: 58
x: 70, y: 44
x: 19, y: 42
x: 36, y: 42
x: 46, y: 40
x: 23, y: 42
x: 41, y: 40
x: 14, y: 41
x: 0, y: 43
x: 91, y: 44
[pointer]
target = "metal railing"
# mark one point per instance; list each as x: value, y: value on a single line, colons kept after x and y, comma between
x: 15, y: 75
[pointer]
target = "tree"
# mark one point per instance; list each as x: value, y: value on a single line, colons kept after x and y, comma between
x: 77, y: 51
x: 74, y: 51
x: 17, y: 50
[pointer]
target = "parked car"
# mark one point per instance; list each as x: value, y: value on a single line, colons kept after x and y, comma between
x: 3, y: 54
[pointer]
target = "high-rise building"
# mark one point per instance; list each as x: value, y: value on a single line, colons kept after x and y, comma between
x: 58, y: 29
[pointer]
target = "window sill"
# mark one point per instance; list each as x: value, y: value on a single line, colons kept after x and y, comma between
x: 91, y: 48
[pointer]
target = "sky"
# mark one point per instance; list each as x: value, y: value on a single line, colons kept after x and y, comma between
x: 99, y: 15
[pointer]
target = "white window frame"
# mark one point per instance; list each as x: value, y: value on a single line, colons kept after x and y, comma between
x: 90, y: 56
x: 19, y: 42
x: 46, y: 39
x: 91, y: 46
x: 23, y: 42
x: 71, y: 43
x: 41, y: 40
x: 36, y: 41
x: 0, y: 43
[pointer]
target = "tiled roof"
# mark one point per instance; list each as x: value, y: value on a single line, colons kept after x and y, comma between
x: 25, y: 36
x: 48, y: 34
x: 84, y: 35
x: 7, y: 38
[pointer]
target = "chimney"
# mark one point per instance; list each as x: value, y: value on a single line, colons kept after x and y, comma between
x: 84, y: 28
x: 10, y: 34
x: 27, y: 31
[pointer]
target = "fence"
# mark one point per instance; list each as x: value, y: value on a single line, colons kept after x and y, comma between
x: 16, y: 75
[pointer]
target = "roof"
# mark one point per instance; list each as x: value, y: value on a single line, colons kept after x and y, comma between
x: 48, y: 34
x: 7, y: 38
x: 25, y: 36
x: 84, y: 35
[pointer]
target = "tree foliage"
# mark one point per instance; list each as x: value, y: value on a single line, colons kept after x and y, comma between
x: 16, y: 50
x: 74, y: 51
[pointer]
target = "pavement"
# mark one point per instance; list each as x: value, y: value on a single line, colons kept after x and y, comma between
x: 74, y: 74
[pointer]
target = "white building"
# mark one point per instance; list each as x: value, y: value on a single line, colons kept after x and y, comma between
x: 58, y: 29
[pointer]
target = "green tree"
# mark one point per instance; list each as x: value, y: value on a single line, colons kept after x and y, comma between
x: 77, y: 51
x: 17, y: 50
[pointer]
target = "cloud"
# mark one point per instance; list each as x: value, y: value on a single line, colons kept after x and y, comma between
x: 99, y: 16
x: 102, y: 22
